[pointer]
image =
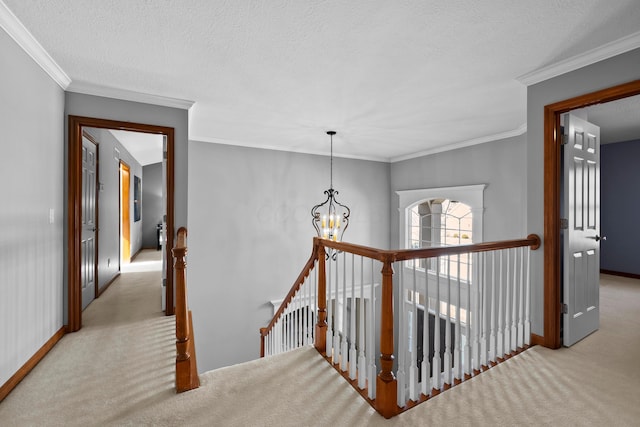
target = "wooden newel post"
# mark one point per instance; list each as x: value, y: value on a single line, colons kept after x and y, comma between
x: 186, y: 370
x: 386, y: 384
x: 321, y: 325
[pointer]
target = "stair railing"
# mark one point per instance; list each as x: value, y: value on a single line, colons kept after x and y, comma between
x: 292, y: 326
x: 186, y: 366
x: 474, y: 302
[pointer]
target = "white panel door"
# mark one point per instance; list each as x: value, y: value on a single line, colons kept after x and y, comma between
x: 581, y: 266
x: 88, y: 241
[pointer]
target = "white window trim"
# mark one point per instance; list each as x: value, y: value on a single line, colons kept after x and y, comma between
x: 471, y: 195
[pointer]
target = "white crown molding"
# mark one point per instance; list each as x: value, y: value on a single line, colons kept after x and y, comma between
x: 18, y: 32
x: 280, y: 148
x: 498, y: 136
x: 609, y: 50
x: 128, y: 95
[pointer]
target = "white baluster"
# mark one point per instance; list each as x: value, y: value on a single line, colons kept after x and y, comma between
x: 371, y: 327
x: 492, y: 302
x: 507, y: 305
x: 477, y: 307
x: 329, y: 337
x: 353, y: 355
x: 484, y: 312
x: 362, y: 360
x: 500, y: 319
x: 414, y: 392
x: 527, y: 302
x: 344, y: 350
x: 402, y: 341
x: 521, y: 302
x: 426, y: 344
x: 471, y: 312
x: 457, y: 368
x: 514, y: 304
x: 296, y: 321
x: 437, y: 374
x: 447, y: 330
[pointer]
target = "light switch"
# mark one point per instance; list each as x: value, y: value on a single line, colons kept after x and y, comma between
x: 51, y: 215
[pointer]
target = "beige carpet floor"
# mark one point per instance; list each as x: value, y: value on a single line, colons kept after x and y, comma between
x: 100, y: 376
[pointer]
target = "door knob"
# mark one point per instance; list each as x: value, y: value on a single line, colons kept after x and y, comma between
x: 598, y: 238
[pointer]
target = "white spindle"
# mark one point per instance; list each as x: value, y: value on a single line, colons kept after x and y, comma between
x: 457, y: 368
x: 507, y: 306
x: 362, y: 360
x: 401, y: 377
x: 426, y: 344
x: 437, y: 374
x: 344, y: 350
x: 477, y: 309
x: 514, y: 304
x: 527, y: 303
x: 371, y: 327
x: 484, y: 313
x: 337, y: 324
x: 447, y: 330
x: 352, y: 332
x: 521, y: 302
x: 471, y: 311
x: 492, y: 302
x: 414, y: 392
x: 500, y: 319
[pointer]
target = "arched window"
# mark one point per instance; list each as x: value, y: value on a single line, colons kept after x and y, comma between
x: 439, y: 217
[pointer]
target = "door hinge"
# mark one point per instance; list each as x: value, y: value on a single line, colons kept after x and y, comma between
x: 564, y: 223
x: 564, y: 139
x: 164, y: 218
x: 164, y: 155
x: 564, y: 308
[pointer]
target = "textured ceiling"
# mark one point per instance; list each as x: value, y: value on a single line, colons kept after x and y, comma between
x: 394, y: 78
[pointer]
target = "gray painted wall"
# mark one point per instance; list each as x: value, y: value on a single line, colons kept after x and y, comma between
x: 498, y: 164
x: 32, y: 172
x: 250, y: 234
x: 109, y: 204
x: 617, y: 70
x: 113, y: 109
x: 151, y: 203
x: 620, y: 204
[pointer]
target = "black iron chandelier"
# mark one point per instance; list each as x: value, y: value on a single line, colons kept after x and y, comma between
x: 330, y: 218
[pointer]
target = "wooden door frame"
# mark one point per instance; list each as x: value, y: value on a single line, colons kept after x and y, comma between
x: 552, y: 181
x: 97, y: 207
x: 74, y: 199
x: 124, y: 207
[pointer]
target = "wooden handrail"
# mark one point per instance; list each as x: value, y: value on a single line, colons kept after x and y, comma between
x: 406, y: 254
x: 186, y: 367
x: 292, y: 293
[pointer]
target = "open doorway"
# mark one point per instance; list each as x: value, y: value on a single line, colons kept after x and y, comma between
x: 75, y: 180
x: 552, y: 200
x: 125, y: 218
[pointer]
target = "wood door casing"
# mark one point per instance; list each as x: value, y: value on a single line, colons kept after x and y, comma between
x: 125, y: 217
x: 552, y: 178
x: 74, y: 191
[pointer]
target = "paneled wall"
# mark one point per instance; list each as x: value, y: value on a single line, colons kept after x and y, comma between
x: 31, y: 211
